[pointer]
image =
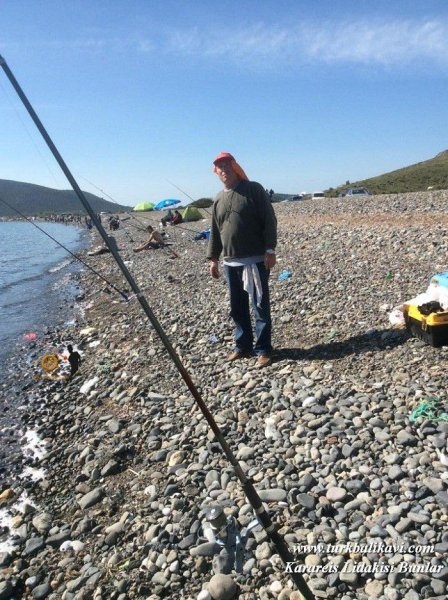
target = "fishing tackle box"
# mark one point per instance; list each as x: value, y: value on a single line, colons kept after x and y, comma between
x: 432, y: 328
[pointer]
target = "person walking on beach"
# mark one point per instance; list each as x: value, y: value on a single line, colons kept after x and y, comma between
x: 74, y: 358
x: 244, y: 229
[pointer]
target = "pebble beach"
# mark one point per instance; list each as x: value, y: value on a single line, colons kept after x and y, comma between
x: 354, y: 482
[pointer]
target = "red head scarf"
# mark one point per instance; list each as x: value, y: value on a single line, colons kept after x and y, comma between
x: 235, y: 166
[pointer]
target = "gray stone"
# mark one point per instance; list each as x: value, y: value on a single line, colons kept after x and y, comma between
x: 306, y: 500
x: 41, y: 591
x: 434, y: 484
x: 245, y: 452
x: 5, y: 559
x: 33, y: 546
x: 336, y: 494
x: 111, y: 468
x: 114, y: 425
x: 58, y: 538
x: 406, y: 439
x: 273, y: 495
x: 91, y: 498
x: 348, y: 574
x: 223, y: 562
x: 442, y: 498
x: 206, y: 549
x: 222, y: 587
x: 159, y: 579
x: 395, y: 473
x: 42, y: 522
x: 403, y: 525
x: 438, y: 586
x: 187, y: 541
x: 374, y: 589
x: 6, y: 590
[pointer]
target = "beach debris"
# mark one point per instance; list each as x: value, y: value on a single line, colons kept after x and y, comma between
x: 285, y: 274
x: 88, y: 385
x: 30, y: 336
x: 87, y: 331
x: 74, y: 546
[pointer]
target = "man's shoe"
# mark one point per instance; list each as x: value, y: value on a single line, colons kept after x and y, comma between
x: 237, y: 355
x: 264, y: 361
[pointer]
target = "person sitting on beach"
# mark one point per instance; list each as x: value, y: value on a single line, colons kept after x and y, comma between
x: 167, y: 218
x: 114, y: 223
x: 177, y: 218
x: 154, y: 242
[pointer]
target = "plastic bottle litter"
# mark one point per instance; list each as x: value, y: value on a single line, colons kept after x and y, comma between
x: 213, y: 339
x: 285, y: 274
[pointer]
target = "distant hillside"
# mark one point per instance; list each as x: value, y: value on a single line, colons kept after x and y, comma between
x: 31, y: 199
x: 431, y: 173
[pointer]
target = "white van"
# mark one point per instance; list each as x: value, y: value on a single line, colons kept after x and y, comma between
x: 316, y: 195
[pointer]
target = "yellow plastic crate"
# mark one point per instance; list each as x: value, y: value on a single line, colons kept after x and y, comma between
x: 432, y: 328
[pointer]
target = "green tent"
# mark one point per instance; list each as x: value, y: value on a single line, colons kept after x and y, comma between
x: 191, y: 213
x: 143, y: 206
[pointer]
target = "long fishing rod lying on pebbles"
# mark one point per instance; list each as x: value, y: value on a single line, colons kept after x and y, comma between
x: 248, y: 487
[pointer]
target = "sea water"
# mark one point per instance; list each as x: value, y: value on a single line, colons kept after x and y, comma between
x: 31, y: 264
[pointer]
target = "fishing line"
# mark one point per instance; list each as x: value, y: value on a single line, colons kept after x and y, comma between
x: 246, y: 483
x: 122, y: 294
x: 30, y: 136
x: 100, y: 190
x: 187, y: 195
x: 126, y: 231
x: 196, y: 269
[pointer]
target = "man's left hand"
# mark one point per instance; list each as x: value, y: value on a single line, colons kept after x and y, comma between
x: 269, y: 260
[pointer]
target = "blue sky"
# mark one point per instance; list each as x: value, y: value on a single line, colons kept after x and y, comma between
x: 138, y: 95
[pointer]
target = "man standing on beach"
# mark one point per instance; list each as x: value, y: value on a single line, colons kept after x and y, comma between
x: 244, y: 229
x: 74, y: 358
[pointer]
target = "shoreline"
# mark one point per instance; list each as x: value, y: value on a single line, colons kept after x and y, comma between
x: 131, y: 466
x: 21, y: 447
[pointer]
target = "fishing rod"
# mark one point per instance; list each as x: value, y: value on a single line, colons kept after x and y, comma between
x: 247, y: 485
x: 122, y: 294
x: 182, y: 191
x: 100, y: 190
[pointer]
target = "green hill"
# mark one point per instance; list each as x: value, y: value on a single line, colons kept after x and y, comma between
x: 31, y: 199
x: 432, y: 173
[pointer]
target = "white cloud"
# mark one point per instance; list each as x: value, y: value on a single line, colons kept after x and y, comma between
x: 384, y: 43
x: 393, y: 43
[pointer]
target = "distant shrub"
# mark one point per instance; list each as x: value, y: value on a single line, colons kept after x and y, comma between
x: 202, y: 203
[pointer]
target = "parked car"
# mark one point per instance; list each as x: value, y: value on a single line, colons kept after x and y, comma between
x: 317, y: 195
x: 357, y: 192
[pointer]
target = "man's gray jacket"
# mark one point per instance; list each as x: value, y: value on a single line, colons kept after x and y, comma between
x: 243, y: 223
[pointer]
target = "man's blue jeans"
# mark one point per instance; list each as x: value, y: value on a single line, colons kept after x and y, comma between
x: 240, y: 312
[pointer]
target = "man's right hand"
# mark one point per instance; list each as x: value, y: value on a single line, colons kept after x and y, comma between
x: 214, y: 269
